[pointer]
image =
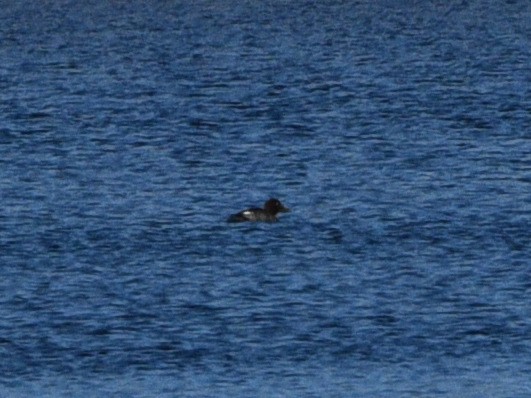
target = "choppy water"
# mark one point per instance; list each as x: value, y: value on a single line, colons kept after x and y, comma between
x: 399, y: 133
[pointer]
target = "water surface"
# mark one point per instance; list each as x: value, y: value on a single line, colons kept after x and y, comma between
x: 397, y: 132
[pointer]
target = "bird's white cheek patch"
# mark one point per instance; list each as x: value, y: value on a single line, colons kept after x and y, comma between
x: 247, y: 213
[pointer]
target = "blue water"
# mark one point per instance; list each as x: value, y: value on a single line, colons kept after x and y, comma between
x: 398, y: 132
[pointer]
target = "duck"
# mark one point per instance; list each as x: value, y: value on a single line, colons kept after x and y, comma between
x: 268, y: 214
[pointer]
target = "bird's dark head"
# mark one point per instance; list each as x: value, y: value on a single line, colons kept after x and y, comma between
x: 273, y: 206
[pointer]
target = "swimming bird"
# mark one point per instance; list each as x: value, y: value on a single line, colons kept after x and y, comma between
x: 268, y: 214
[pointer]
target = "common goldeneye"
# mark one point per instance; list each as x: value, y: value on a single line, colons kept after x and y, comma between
x: 268, y: 214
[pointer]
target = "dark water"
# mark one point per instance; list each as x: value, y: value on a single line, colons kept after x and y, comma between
x: 399, y: 132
